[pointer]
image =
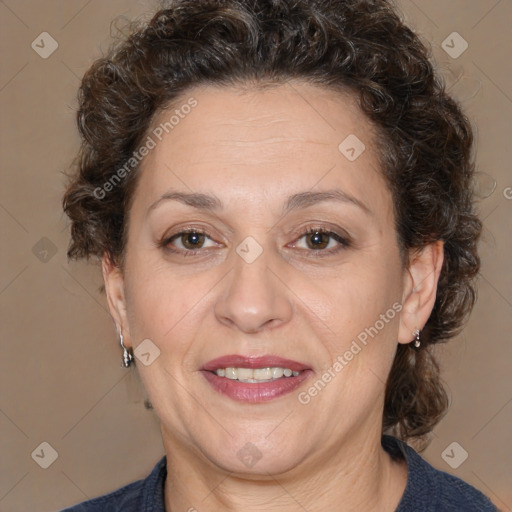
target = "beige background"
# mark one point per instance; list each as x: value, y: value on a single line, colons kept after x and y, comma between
x: 60, y: 375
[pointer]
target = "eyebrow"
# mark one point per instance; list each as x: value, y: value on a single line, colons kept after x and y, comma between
x: 207, y: 202
x: 195, y: 200
x: 305, y: 199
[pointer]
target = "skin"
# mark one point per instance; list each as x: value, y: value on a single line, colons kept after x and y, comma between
x: 252, y: 149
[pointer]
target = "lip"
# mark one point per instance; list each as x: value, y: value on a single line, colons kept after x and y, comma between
x: 239, y: 361
x: 255, y: 392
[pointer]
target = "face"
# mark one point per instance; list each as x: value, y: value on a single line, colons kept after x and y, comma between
x: 292, y: 254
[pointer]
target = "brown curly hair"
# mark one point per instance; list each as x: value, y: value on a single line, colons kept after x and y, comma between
x: 425, y: 141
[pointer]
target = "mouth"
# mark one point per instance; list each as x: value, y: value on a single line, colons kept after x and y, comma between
x: 255, y: 379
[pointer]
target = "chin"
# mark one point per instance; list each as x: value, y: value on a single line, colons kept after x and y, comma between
x: 256, y: 464
x: 259, y: 456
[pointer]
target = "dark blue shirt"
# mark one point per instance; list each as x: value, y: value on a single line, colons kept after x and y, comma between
x: 427, y: 489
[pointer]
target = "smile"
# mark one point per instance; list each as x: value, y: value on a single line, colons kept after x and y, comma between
x: 254, y: 375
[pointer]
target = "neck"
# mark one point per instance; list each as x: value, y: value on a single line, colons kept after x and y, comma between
x: 360, y: 476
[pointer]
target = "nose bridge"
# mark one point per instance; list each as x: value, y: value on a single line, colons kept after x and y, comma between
x: 253, y: 297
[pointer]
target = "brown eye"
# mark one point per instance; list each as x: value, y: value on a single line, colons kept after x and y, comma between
x: 188, y: 242
x: 318, y: 239
x: 192, y: 240
x: 322, y: 242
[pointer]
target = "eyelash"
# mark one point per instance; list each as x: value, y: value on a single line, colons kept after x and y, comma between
x: 344, y: 242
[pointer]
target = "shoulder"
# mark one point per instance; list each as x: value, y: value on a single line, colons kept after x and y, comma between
x: 126, y: 498
x: 133, y: 497
x: 431, y: 490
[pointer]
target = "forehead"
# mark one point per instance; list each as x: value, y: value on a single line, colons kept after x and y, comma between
x: 260, y: 143
x: 245, y: 118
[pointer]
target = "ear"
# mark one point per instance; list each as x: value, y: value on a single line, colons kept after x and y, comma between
x: 420, y: 288
x: 116, y: 299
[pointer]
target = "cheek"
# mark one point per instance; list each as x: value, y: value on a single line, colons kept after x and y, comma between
x: 170, y: 304
x: 160, y: 301
x: 360, y: 309
x: 354, y: 295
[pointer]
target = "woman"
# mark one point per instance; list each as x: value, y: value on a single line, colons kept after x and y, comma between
x: 280, y: 194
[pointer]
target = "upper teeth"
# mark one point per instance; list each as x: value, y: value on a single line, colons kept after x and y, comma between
x: 255, y: 374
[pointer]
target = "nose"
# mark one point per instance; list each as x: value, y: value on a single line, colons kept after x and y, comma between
x: 254, y: 297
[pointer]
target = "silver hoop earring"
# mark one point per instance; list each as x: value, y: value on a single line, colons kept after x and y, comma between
x: 417, y: 341
x: 127, y: 355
